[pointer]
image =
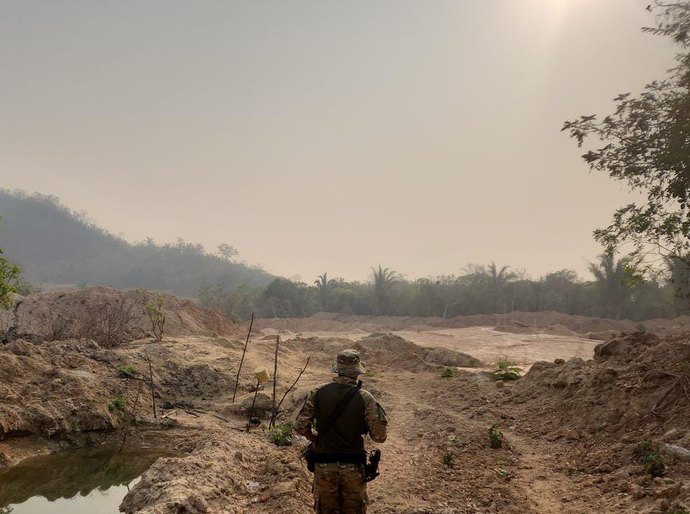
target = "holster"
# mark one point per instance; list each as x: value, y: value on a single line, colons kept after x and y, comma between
x: 309, y: 455
x: 371, y: 468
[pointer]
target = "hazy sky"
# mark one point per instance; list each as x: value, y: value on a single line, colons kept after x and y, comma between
x: 324, y: 135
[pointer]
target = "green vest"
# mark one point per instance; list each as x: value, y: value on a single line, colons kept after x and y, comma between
x: 345, y: 434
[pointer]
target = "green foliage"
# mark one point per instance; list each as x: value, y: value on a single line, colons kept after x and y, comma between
x: 281, y: 434
x: 447, y: 373
x: 496, y: 438
x: 283, y: 298
x: 448, y: 459
x: 481, y: 290
x: 126, y: 371
x: 573, y: 469
x: 503, y: 473
x: 117, y: 404
x: 616, y: 281
x: 324, y: 287
x: 154, y: 311
x: 383, y: 280
x: 644, y: 144
x: 9, y: 281
x: 649, y: 456
x: 9, y: 276
x: 506, y: 370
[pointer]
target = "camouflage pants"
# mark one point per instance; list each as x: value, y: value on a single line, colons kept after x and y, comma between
x: 339, y: 489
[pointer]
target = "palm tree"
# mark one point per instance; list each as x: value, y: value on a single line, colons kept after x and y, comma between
x: 612, y: 280
x: 382, y: 280
x: 499, y: 280
x: 323, y: 288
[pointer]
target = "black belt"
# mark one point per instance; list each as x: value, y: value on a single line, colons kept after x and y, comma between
x: 342, y: 458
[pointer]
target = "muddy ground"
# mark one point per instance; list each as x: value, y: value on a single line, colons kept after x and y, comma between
x: 576, y: 432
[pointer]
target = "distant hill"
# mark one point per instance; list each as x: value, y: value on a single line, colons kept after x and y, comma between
x: 55, y: 245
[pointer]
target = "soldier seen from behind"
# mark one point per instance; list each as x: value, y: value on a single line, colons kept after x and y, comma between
x: 336, y: 417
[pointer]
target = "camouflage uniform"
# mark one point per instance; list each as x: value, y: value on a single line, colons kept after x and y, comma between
x: 339, y: 488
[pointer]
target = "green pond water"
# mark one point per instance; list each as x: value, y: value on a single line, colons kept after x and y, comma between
x: 88, y: 481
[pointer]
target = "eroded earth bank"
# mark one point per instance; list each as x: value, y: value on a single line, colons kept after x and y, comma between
x: 602, y: 426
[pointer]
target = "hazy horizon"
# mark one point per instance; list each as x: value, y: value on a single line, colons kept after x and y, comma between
x: 325, y: 136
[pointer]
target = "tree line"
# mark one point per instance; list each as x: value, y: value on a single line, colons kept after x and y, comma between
x: 617, y: 290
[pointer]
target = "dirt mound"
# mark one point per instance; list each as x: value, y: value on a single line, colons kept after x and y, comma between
x: 107, y: 315
x: 196, y: 380
x: 635, y: 380
x: 550, y: 322
x: 57, y: 389
x: 247, y: 474
x: 520, y: 328
x: 392, y: 351
x: 63, y: 388
x: 635, y: 392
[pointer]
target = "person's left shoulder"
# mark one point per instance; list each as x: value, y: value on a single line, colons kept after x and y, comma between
x: 369, y: 401
x: 367, y: 396
x: 372, y: 408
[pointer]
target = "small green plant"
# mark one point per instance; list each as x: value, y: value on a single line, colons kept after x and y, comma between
x: 156, y: 314
x: 9, y: 279
x: 74, y: 426
x: 447, y: 373
x: 503, y: 473
x: 649, y: 456
x: 573, y: 469
x: 127, y: 371
x: 506, y: 370
x: 281, y: 434
x: 495, y: 436
x: 448, y: 459
x: 117, y: 404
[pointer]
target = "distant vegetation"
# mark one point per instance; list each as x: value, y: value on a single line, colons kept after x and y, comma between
x: 53, y: 244
x: 9, y: 279
x: 618, y: 290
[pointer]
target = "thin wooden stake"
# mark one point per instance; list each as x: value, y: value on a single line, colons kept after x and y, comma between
x: 131, y: 416
x: 293, y: 384
x: 153, y: 395
x: 246, y: 343
x: 275, y: 380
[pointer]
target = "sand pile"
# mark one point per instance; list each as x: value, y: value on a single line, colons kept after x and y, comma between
x: 393, y: 352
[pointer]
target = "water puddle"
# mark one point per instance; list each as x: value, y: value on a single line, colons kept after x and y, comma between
x: 88, y: 481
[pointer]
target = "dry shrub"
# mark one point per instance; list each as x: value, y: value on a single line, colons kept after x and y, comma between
x: 107, y: 323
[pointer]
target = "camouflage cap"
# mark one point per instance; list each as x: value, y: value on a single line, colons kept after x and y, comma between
x: 348, y: 364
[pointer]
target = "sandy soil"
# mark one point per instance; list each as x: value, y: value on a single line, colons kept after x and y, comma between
x: 487, y: 344
x: 567, y: 427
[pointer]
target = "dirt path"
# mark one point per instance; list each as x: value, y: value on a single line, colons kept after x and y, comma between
x: 431, y: 418
x: 548, y: 491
